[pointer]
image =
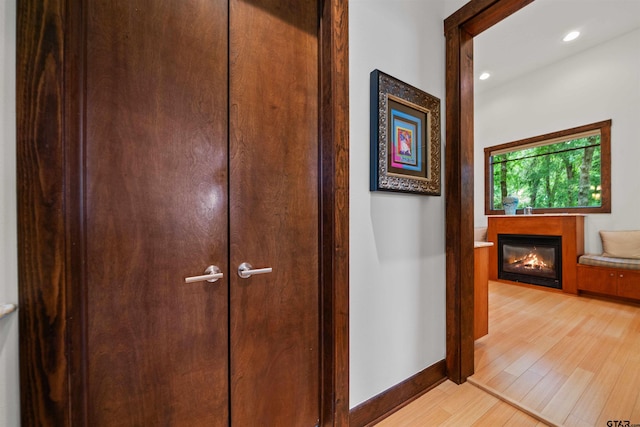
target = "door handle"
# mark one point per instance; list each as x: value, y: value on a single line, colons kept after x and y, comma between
x: 245, y: 270
x: 212, y: 274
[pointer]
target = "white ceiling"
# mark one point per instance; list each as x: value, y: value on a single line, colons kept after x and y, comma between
x: 532, y: 37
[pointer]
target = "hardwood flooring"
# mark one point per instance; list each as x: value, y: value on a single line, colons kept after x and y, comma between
x: 462, y: 405
x: 567, y: 360
x: 574, y: 360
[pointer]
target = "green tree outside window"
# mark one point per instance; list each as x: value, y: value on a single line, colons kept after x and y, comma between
x: 564, y: 171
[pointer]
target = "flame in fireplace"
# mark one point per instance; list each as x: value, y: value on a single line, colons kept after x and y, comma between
x: 525, y: 261
x: 531, y: 261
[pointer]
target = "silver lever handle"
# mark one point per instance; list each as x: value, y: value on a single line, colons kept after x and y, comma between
x: 212, y: 275
x: 245, y: 270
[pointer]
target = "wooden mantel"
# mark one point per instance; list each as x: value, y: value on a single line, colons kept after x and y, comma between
x: 569, y: 226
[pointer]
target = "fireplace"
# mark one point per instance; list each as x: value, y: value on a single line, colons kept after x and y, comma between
x: 533, y: 259
x: 569, y: 226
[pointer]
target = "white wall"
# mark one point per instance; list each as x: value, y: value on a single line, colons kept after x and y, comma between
x: 397, y: 251
x: 599, y: 84
x: 9, y: 379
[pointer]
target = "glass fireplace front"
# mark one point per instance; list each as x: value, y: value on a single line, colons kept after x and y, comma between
x: 530, y: 259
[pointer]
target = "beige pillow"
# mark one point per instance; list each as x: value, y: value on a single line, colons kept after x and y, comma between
x: 480, y: 234
x: 621, y: 244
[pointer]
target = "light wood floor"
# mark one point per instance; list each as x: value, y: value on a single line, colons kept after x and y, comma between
x: 460, y: 406
x: 571, y: 361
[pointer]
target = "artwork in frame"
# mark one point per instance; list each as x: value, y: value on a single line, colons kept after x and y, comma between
x: 405, y: 137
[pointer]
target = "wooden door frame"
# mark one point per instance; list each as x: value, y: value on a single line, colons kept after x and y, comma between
x: 49, y: 116
x: 334, y: 227
x: 460, y: 28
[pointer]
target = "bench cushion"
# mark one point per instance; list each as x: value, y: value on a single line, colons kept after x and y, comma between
x: 611, y: 262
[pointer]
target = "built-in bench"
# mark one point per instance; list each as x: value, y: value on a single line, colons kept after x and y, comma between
x: 615, y: 272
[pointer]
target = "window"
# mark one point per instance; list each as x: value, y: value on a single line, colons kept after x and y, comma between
x: 566, y: 171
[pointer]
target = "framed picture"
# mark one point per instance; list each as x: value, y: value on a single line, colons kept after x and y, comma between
x: 405, y: 137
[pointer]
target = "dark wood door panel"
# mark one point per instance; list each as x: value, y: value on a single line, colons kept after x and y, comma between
x: 274, y: 212
x: 156, y: 209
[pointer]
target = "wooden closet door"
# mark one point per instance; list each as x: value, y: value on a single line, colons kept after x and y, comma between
x: 157, y: 209
x: 274, y: 217
x: 155, y: 178
x: 127, y: 146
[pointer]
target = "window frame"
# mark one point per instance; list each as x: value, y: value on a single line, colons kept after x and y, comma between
x: 605, y: 168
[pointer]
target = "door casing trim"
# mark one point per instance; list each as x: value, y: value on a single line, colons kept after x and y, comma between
x: 460, y: 28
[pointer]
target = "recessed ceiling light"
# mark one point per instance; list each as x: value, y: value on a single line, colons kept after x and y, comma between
x: 571, y: 36
x: 484, y: 76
